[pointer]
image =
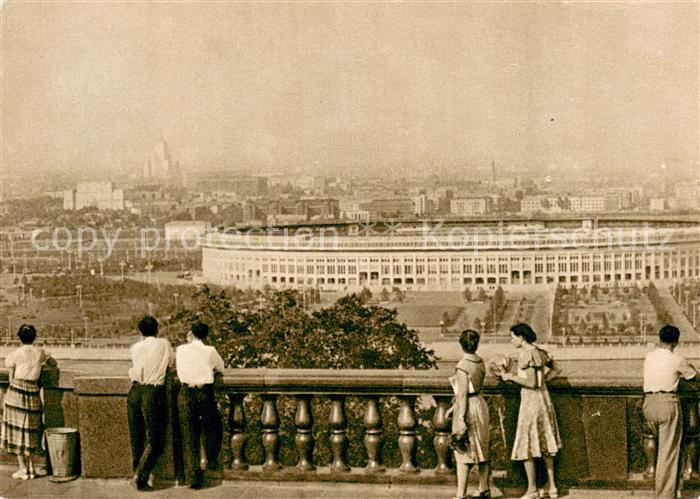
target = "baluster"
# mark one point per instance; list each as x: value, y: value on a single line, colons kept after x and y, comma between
x: 270, y: 422
x: 338, y: 423
x: 373, y: 436
x: 690, y: 439
x: 407, y: 435
x: 696, y: 462
x: 649, y: 445
x: 441, y: 441
x: 304, y: 438
x: 237, y: 426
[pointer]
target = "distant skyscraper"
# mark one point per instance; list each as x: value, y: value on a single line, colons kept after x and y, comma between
x: 160, y: 165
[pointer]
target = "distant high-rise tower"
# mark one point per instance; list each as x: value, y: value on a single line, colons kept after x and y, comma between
x: 159, y: 165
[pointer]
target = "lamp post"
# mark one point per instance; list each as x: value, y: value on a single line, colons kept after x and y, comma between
x: 176, y: 295
x: 493, y: 301
x: 79, y: 291
x: 85, y: 321
x: 121, y: 265
x: 12, y: 256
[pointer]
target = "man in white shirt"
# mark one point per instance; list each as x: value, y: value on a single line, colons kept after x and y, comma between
x: 146, y: 403
x: 196, y: 364
x: 662, y: 409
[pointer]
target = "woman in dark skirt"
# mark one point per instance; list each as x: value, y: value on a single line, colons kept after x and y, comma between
x: 21, y: 417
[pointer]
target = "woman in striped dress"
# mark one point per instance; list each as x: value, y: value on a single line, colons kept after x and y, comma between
x: 537, y: 434
x: 21, y: 418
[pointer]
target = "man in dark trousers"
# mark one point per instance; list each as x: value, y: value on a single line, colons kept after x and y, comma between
x: 662, y: 409
x: 146, y: 403
x: 196, y: 364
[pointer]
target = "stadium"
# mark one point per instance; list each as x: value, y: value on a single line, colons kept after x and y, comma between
x: 453, y: 255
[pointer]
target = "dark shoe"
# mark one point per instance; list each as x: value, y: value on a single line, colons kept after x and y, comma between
x: 141, y: 487
x: 483, y: 493
x: 196, y: 485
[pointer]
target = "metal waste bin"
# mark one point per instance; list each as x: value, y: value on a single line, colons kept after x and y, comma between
x: 63, y: 447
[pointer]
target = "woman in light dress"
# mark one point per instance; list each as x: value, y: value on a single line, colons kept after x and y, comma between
x: 22, y: 427
x: 470, y: 416
x: 537, y: 434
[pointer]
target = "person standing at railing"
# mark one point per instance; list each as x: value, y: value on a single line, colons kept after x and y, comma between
x: 21, y: 418
x: 470, y: 417
x: 196, y: 366
x: 537, y: 433
x: 662, y: 370
x: 146, y: 402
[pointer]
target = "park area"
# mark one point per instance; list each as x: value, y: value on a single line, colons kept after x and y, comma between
x: 456, y: 311
x: 620, y: 312
x: 75, y: 308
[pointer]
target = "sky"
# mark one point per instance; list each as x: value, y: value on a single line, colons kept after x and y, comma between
x: 412, y: 88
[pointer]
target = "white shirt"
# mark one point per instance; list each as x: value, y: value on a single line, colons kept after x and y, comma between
x: 196, y: 363
x: 663, y: 369
x: 150, y: 357
x: 27, y: 361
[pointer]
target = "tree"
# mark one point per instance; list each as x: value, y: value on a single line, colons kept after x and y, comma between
x: 500, y: 297
x: 467, y: 294
x: 482, y: 295
x: 365, y: 295
x: 399, y: 295
x: 583, y: 326
x: 385, y: 296
x: 348, y: 334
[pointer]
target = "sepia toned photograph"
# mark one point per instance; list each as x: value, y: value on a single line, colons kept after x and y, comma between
x: 349, y: 249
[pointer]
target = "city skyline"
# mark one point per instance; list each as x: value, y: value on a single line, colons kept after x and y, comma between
x: 369, y: 88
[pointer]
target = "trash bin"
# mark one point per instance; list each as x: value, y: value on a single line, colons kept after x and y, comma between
x: 63, y: 446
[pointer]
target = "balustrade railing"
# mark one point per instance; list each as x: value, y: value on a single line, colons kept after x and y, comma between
x: 309, y: 420
x: 425, y: 388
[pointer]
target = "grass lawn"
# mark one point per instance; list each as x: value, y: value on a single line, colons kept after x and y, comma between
x: 423, y: 315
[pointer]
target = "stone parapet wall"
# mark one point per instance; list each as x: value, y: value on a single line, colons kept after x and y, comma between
x: 603, y: 432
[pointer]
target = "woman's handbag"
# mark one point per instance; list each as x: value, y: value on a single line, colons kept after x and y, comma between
x: 459, y: 441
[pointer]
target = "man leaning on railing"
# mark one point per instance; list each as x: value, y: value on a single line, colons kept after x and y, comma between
x: 662, y: 409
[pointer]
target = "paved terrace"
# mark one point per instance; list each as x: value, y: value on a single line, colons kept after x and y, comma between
x: 119, y: 488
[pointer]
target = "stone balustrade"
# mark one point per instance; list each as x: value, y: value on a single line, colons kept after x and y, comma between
x: 606, y: 441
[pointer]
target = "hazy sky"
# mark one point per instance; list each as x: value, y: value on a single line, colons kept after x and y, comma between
x: 91, y: 86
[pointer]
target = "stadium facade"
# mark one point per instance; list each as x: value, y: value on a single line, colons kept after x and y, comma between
x: 454, y: 255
